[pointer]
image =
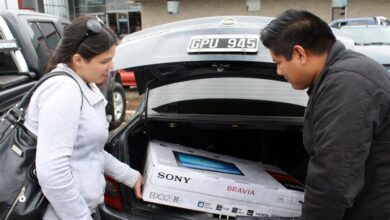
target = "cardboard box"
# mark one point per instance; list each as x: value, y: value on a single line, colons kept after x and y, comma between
x: 199, y: 180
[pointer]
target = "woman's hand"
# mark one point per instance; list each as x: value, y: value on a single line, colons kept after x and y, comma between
x: 138, y: 187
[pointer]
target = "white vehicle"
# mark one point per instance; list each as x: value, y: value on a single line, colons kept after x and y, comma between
x: 372, y: 41
x: 378, y: 20
x: 208, y: 84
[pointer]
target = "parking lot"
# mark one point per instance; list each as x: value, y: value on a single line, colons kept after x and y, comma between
x: 229, y: 130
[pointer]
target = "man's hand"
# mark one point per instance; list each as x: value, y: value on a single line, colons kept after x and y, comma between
x: 138, y: 188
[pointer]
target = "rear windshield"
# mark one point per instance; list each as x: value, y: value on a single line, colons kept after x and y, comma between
x: 228, y: 96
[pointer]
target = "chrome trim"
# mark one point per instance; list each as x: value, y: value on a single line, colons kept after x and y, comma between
x: 17, y: 56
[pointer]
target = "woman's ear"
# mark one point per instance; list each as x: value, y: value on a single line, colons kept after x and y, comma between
x: 77, y: 60
x: 300, y: 53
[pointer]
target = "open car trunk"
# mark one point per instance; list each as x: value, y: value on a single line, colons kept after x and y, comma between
x: 209, y: 84
x: 269, y: 142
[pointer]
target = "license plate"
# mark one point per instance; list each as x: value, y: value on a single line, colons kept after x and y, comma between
x: 224, y: 43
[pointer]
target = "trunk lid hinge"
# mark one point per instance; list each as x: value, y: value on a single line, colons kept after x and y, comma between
x: 145, y: 111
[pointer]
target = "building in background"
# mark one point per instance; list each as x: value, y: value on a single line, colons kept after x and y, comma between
x: 123, y: 16
x: 19, y: 4
x: 56, y: 7
x: 339, y: 9
x: 128, y: 16
x: 155, y: 12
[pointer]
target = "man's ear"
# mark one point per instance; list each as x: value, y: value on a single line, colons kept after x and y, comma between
x: 300, y: 53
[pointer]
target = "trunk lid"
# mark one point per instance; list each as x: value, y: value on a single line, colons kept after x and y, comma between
x: 178, y: 51
x: 199, y: 48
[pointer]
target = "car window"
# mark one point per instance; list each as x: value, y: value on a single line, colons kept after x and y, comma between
x: 40, y: 44
x: 38, y: 36
x: 45, y: 34
x: 50, y: 33
x: 231, y: 96
x: 360, y: 22
x: 45, y: 40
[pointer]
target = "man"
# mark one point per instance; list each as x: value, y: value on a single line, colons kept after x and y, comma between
x: 347, y: 121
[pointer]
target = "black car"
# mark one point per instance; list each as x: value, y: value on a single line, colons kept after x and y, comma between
x: 208, y: 85
x: 26, y: 41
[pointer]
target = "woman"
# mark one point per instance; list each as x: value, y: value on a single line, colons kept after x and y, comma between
x: 68, y: 116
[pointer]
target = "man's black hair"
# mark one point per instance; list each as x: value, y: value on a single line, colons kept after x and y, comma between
x: 297, y: 27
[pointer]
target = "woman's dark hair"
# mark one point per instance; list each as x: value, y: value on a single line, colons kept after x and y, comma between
x: 76, y: 40
x: 294, y: 27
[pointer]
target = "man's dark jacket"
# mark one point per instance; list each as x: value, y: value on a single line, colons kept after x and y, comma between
x: 347, y: 135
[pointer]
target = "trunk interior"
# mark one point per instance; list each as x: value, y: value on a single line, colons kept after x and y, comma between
x: 277, y: 145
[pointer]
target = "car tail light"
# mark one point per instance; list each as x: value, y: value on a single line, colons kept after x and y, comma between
x: 112, y: 196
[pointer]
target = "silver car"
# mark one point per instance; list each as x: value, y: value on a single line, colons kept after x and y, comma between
x: 207, y: 84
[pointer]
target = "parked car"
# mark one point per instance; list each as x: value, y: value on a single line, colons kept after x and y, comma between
x: 377, y: 20
x: 371, y: 40
x: 26, y: 39
x: 208, y: 84
x: 127, y: 79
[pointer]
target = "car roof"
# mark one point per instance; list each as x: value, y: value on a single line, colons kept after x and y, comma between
x: 16, y: 13
x: 364, y: 26
x: 25, y: 12
x: 376, y: 20
x: 358, y: 18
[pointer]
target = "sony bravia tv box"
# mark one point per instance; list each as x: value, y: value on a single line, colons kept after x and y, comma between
x: 195, y: 179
